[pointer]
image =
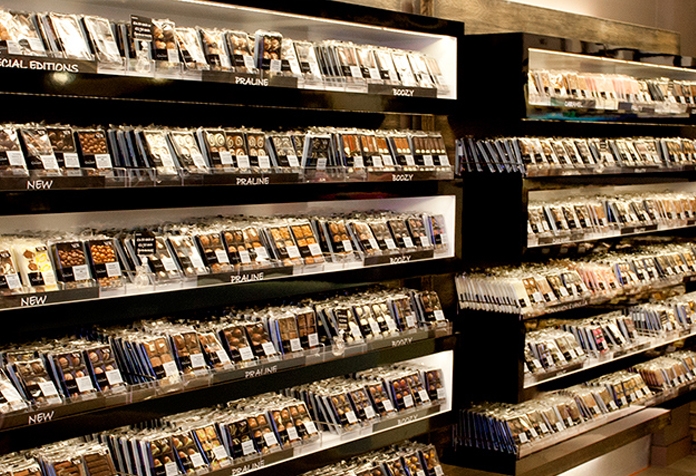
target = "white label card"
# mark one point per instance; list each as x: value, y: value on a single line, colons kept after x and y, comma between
x: 222, y: 356
x: 350, y: 416
x: 49, y: 162
x: 374, y: 327
x: 438, y: 471
x: 387, y: 160
x: 13, y: 281
x: 423, y: 396
x: 268, y: 349
x: 246, y: 353
x: 81, y: 272
x: 559, y: 426
x: 310, y: 427
x: 198, y: 161
x: 264, y: 162
x: 170, y: 469
x: 276, y: 66
x: 377, y: 161
x: 221, y: 256
x: 249, y: 62
x: 292, y: 160
x: 408, y: 401
x: 84, y: 384
x: 48, y: 389
x: 425, y: 242
x: 103, y: 161
x: 225, y: 157
x: 408, y: 242
x: 261, y: 253
x: 391, y: 324
x: 523, y: 438
x: 244, y: 256
x: 196, y: 260
x: 172, y: 55
x: 248, y: 447
x: 322, y: 163
x: 444, y: 161
x: 441, y: 394
x: 313, y: 339
x: 114, y: 377
x: 428, y: 160
x: 197, y: 460
x: 390, y: 243
x: 439, y: 315
x: 168, y: 263
x: 388, y: 407
x: 220, y: 452
x: 411, y: 320
x: 347, y: 245
x: 197, y: 361
x: 170, y: 369
x: 374, y: 73
x: 356, y: 72
x: 354, y: 330
x: 16, y: 158
x: 243, y: 162
x: 295, y: 345
x: 13, y: 48
x: 71, y: 160
x: 113, y: 269
x: 373, y: 244
x: 410, y: 160
x: 292, y: 433
x: 369, y: 412
x: 293, y: 252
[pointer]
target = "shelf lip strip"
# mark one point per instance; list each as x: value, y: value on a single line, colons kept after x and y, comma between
x: 532, y: 382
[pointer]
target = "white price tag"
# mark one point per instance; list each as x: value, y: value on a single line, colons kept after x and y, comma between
x: 270, y: 439
x: 292, y: 433
x: 268, y: 349
x: 572, y: 354
x: 370, y: 412
x: 220, y: 452
x: 244, y: 256
x: 564, y: 292
x: 569, y: 421
x: 639, y: 393
x: 410, y: 161
x: 13, y: 48
x: 373, y: 244
x: 221, y: 256
x: 390, y: 243
x: 71, y: 160
x: 438, y: 471
x: 313, y: 339
x: 444, y: 160
x: 356, y: 72
x: 391, y: 324
x: 354, y: 330
x: 16, y: 158
x: 441, y: 394
x: 428, y: 160
x: 624, y: 401
x: 310, y: 427
x: 197, y: 361
x: 408, y: 242
x: 347, y: 245
x: 169, y: 264
x: 439, y: 315
x: 166, y: 158
x: 377, y: 161
x: 533, y: 432
x: 425, y: 242
x: 388, y: 407
x: 276, y: 66
x: 114, y: 377
x: 196, y: 260
x: 172, y: 55
x: 559, y: 426
x: 423, y: 396
x: 103, y: 161
x: 13, y: 281
x: 197, y: 460
x: 198, y: 161
x: 81, y: 272
x: 322, y: 163
x: 538, y: 297
x: 249, y: 62
x: 293, y: 252
x: 170, y: 369
x: 264, y: 162
x: 350, y: 416
x: 411, y: 320
x: 523, y: 437
x: 113, y: 269
x: 374, y: 73
x: 246, y: 353
x: 387, y: 160
x: 84, y: 384
x: 420, y: 472
x: 243, y: 162
x: 49, y: 162
x: 170, y: 469
x: 222, y: 356
x: 543, y: 427
x: 248, y: 447
x: 292, y: 160
x: 225, y: 157
x: 374, y: 327
x: 49, y: 278
x: 295, y: 345
x: 315, y: 249
x: 261, y: 253
x: 12, y: 395
x: 408, y: 401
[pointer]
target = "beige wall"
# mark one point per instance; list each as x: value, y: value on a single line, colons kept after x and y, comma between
x: 486, y: 16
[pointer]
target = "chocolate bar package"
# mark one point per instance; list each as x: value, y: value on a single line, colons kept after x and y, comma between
x: 11, y: 157
x: 103, y: 40
x: 66, y: 36
x: 215, y: 49
x: 20, y: 34
x: 39, y: 152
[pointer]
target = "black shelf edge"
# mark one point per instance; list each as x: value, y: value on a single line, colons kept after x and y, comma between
x: 567, y: 454
x: 134, y: 198
x: 38, y: 315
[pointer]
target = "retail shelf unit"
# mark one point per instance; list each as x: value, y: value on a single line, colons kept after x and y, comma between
x: 496, y: 206
x: 83, y: 93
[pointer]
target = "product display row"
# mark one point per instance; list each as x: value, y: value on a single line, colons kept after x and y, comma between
x: 506, y: 428
x: 670, y: 371
x: 538, y: 156
x: 405, y: 459
x: 61, y: 150
x: 110, y: 361
x: 146, y: 46
x: 71, y: 457
x: 664, y: 96
x: 53, y: 261
x: 571, y: 344
x: 536, y: 289
x: 607, y: 216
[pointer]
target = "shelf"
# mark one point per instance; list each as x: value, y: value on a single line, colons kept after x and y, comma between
x: 645, y: 345
x: 558, y: 456
x: 53, y: 423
